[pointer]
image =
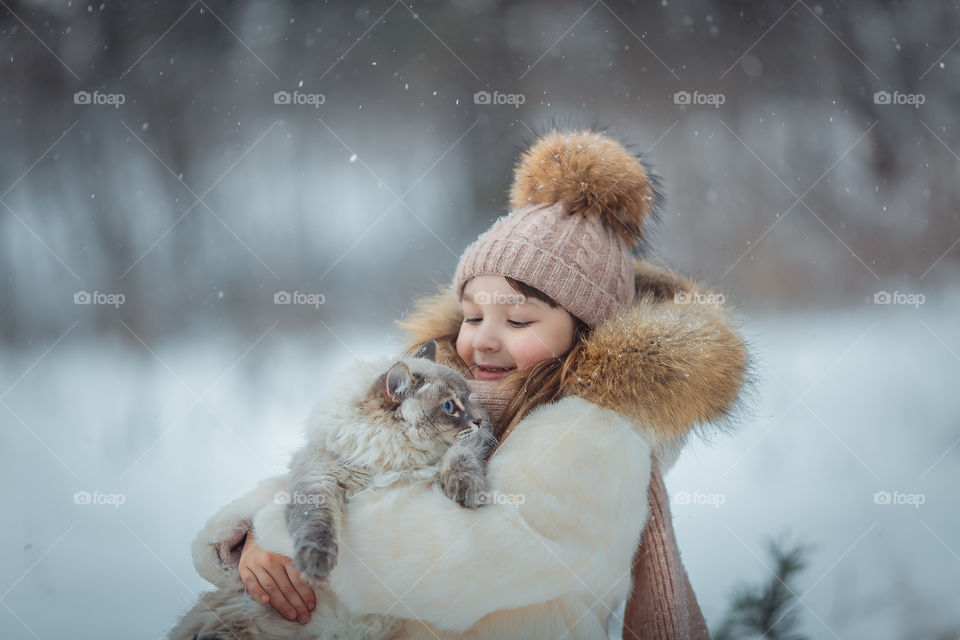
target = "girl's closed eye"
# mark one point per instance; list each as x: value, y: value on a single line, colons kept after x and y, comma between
x: 517, y: 324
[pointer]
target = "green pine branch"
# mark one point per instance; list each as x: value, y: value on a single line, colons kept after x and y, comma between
x: 768, y: 610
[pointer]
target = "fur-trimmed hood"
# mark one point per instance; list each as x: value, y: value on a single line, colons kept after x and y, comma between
x: 672, y: 363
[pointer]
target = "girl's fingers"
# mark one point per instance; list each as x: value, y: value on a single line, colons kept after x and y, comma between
x: 279, y: 573
x: 302, y: 587
x: 277, y: 600
x: 254, y: 589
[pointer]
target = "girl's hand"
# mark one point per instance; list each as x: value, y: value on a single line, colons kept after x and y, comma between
x: 271, y: 578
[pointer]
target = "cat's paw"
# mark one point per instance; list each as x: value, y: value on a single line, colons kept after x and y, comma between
x: 316, y: 561
x: 464, y: 482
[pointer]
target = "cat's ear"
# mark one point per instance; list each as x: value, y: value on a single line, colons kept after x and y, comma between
x: 428, y: 351
x: 398, y: 379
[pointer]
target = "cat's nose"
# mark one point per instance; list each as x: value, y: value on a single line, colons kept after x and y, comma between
x: 471, y: 425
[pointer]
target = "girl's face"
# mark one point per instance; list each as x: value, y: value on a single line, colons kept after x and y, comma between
x: 503, y: 330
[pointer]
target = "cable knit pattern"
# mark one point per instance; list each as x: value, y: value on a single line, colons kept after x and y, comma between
x: 662, y: 605
x: 493, y: 400
x: 578, y: 261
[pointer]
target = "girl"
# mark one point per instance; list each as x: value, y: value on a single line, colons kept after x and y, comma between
x: 595, y: 367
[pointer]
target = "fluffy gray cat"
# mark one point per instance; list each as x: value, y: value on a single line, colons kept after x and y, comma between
x: 415, y: 422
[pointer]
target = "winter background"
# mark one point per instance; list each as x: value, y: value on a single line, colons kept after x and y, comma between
x: 168, y: 168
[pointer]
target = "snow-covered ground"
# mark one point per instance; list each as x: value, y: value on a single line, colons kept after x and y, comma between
x: 850, y: 403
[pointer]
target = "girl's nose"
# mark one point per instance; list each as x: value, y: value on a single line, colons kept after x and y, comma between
x: 485, y: 339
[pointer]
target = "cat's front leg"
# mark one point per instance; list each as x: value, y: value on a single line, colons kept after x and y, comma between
x: 463, y: 469
x: 314, y: 513
x: 462, y: 480
x: 314, y: 533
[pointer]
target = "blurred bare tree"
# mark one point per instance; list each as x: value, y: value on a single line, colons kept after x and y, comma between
x: 200, y: 196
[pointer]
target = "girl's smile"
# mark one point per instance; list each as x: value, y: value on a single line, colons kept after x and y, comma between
x: 481, y: 372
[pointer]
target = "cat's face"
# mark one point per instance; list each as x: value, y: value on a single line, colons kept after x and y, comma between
x: 428, y: 403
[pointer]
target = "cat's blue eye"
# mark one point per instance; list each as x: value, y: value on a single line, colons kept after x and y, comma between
x: 450, y: 407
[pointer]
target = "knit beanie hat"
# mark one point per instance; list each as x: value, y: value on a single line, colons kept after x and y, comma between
x: 579, y: 201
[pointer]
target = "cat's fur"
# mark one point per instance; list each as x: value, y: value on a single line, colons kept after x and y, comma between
x: 415, y: 422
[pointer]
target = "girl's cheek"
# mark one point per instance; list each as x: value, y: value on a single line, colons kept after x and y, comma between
x: 548, y: 344
x: 463, y: 344
x: 529, y: 351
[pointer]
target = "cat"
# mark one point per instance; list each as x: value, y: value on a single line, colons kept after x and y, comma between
x: 415, y: 422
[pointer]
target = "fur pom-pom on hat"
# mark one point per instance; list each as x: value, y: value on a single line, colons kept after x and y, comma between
x: 591, y: 174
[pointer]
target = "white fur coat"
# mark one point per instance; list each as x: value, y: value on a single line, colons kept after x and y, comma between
x: 549, y: 559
